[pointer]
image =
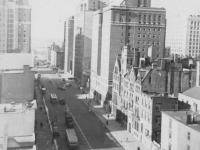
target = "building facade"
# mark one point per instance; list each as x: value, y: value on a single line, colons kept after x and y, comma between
x: 180, y: 130
x: 131, y: 23
x: 183, y: 36
x: 15, y: 26
x: 57, y: 59
x: 69, y: 37
x: 17, y: 85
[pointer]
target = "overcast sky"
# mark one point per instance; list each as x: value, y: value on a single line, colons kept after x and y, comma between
x: 48, y: 16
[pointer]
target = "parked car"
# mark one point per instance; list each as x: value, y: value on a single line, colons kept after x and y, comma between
x: 62, y: 101
x: 68, y: 84
x: 56, y: 132
x: 63, y: 79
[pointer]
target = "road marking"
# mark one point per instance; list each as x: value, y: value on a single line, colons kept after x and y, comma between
x: 80, y: 129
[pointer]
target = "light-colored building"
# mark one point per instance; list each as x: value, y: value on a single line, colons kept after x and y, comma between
x: 57, y: 59
x: 17, y: 125
x: 180, y: 130
x: 15, y: 61
x: 132, y: 23
x: 15, y: 26
x: 183, y: 34
x: 16, y: 85
x: 82, y: 47
x: 69, y: 38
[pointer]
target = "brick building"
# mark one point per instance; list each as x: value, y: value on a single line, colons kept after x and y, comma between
x: 131, y: 23
x: 16, y: 85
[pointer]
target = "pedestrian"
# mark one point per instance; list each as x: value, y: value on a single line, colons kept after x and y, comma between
x: 88, y: 103
x: 108, y: 116
x: 86, y: 97
x: 106, y: 122
x: 138, y: 148
x: 41, y: 124
x: 90, y: 100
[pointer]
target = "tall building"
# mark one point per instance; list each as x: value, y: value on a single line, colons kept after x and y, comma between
x: 183, y: 35
x: 83, y: 38
x: 133, y: 22
x: 15, y: 27
x: 69, y: 38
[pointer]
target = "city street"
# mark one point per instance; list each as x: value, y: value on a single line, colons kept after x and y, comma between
x: 91, y: 133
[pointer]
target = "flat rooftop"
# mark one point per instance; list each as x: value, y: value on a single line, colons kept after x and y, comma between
x: 181, y: 116
x: 193, y: 93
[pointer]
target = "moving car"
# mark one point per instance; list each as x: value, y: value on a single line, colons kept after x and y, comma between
x: 62, y: 101
x: 62, y: 87
x: 68, y: 84
x: 68, y: 119
x: 53, y: 98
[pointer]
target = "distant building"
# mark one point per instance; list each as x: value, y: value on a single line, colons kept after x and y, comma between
x: 16, y: 85
x: 167, y: 52
x: 82, y: 47
x: 69, y: 39
x: 183, y: 34
x: 17, y: 125
x: 57, y: 59
x: 180, y: 130
x: 132, y: 22
x: 16, y: 26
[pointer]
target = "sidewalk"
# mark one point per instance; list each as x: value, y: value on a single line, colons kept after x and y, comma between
x: 125, y: 139
x: 42, y: 128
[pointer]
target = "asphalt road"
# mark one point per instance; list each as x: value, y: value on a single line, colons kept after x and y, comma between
x: 91, y: 133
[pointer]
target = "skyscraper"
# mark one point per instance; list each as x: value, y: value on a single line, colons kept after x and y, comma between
x: 131, y: 22
x: 15, y: 26
x: 83, y: 38
x: 69, y: 38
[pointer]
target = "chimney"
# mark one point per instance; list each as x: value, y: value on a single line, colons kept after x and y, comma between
x: 165, y: 95
x: 137, y: 57
x: 154, y: 65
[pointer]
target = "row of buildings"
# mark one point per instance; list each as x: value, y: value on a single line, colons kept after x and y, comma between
x: 123, y: 51
x: 143, y: 94
x: 17, y: 102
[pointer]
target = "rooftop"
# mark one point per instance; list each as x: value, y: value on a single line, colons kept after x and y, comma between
x: 182, y: 116
x: 193, y: 93
x: 19, y: 117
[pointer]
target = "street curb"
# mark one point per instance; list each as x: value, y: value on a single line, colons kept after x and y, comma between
x: 102, y: 123
x: 47, y: 111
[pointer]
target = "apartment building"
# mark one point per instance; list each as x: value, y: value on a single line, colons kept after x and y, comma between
x: 69, y: 38
x: 15, y: 27
x: 184, y: 36
x: 133, y: 23
x: 180, y: 130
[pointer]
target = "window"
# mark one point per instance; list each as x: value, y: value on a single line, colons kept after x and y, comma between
x: 188, y: 136
x: 139, y: 29
x: 169, y: 147
x: 146, y: 132
x: 157, y: 107
x: 170, y: 123
x: 188, y: 147
x: 170, y: 134
x: 129, y: 34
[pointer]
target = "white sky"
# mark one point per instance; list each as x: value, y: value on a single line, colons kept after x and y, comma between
x: 48, y: 16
